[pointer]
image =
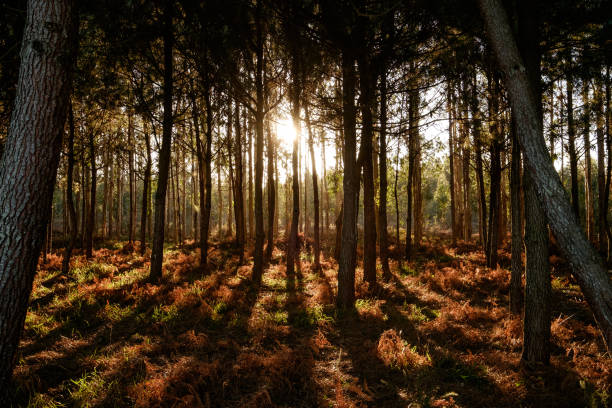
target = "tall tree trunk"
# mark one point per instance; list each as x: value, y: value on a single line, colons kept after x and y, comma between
x: 146, y: 188
x: 132, y: 187
x: 315, y: 194
x: 382, y: 209
x: 348, y: 250
x: 587, y: 266
x: 105, y: 193
x: 259, y: 136
x: 571, y: 135
x: 250, y: 186
x: 588, y: 192
x: 205, y: 174
x: 365, y: 158
x: 238, y: 187
x: 296, y: 88
x: 72, y: 216
x: 601, y: 171
x: 271, y: 192
x: 495, y: 186
x: 516, y: 276
x: 157, y: 252
x: 451, y: 159
x: 91, y: 217
x: 31, y: 152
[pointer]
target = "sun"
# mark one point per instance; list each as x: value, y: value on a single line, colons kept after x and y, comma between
x: 285, y: 131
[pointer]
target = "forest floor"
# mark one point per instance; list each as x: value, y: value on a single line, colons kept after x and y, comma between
x: 438, y: 334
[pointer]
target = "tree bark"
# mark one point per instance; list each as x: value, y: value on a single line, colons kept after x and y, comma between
x: 601, y: 172
x: 292, y: 248
x: 451, y: 159
x: 571, y: 136
x: 259, y: 136
x: 587, y: 267
x: 157, y: 253
x: 315, y: 194
x: 72, y: 216
x: 238, y: 187
x: 588, y: 191
x: 271, y: 193
x: 146, y: 188
x: 348, y: 250
x: 91, y: 215
x: 31, y: 153
x: 516, y: 280
x: 383, y: 238
x: 366, y: 80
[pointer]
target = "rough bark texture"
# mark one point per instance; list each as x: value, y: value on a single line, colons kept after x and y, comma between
x: 586, y: 265
x: 365, y: 158
x: 157, y: 253
x: 536, y: 325
x: 516, y: 282
x: 29, y: 164
x: 348, y: 255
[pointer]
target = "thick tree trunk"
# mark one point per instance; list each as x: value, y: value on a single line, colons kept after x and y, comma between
x: 495, y: 172
x: 31, y: 152
x: 587, y: 266
x: 536, y: 327
x: 348, y: 250
x: 516, y: 280
x: 365, y: 158
x: 588, y: 191
x: 293, y: 248
x: 157, y: 252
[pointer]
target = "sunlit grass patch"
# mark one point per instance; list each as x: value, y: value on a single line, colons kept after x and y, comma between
x: 43, y: 401
x: 408, y: 270
x: 274, y: 283
x: 420, y: 314
x: 115, y: 313
x: 89, y: 271
x: 89, y: 387
x: 397, y: 353
x: 371, y: 308
x: 40, y: 324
